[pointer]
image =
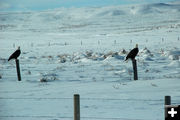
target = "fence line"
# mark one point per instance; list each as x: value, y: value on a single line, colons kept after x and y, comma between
x: 104, y: 118
x: 94, y: 118
x: 37, y: 98
x: 77, y: 102
x: 104, y: 99
x: 31, y: 116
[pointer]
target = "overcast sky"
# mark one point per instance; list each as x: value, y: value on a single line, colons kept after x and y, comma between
x: 28, y: 5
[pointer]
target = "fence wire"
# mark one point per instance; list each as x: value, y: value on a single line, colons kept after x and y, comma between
x: 56, y: 117
x: 104, y: 99
x: 91, y: 118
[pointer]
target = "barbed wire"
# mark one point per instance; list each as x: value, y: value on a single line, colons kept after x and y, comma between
x: 35, y: 98
x: 70, y: 117
x: 31, y: 116
x: 108, y: 99
x: 104, y: 118
x: 66, y: 117
x: 93, y: 99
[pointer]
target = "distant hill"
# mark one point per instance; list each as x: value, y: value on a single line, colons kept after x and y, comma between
x: 64, y: 18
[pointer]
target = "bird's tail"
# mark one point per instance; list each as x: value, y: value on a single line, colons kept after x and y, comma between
x: 126, y: 60
x: 9, y: 59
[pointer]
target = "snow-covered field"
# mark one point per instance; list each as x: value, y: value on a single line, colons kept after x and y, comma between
x: 82, y: 50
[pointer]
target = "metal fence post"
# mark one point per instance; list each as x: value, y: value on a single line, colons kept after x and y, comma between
x: 167, y: 101
x: 76, y: 107
x: 135, y: 69
x: 18, y: 70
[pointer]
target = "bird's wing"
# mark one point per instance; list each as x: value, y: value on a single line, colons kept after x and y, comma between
x: 14, y: 55
x: 11, y: 57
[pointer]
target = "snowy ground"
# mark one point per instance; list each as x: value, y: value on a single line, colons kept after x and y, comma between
x: 80, y: 50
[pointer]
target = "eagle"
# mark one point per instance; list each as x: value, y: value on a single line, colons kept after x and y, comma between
x: 15, y: 55
x: 132, y: 54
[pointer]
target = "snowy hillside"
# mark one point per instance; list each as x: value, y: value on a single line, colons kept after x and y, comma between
x: 82, y: 50
x: 63, y: 19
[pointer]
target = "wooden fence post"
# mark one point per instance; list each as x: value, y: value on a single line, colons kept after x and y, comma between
x: 115, y: 42
x: 98, y: 42
x: 13, y: 45
x: 76, y: 107
x: 18, y: 70
x: 135, y: 69
x: 167, y: 102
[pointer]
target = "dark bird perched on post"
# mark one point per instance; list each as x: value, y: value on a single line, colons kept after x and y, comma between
x: 132, y: 54
x: 15, y: 55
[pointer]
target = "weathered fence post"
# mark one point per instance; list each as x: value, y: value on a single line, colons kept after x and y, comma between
x: 18, y: 70
x: 135, y: 69
x: 130, y: 41
x: 115, y: 42
x: 98, y: 42
x: 167, y: 102
x: 13, y: 45
x: 76, y: 107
